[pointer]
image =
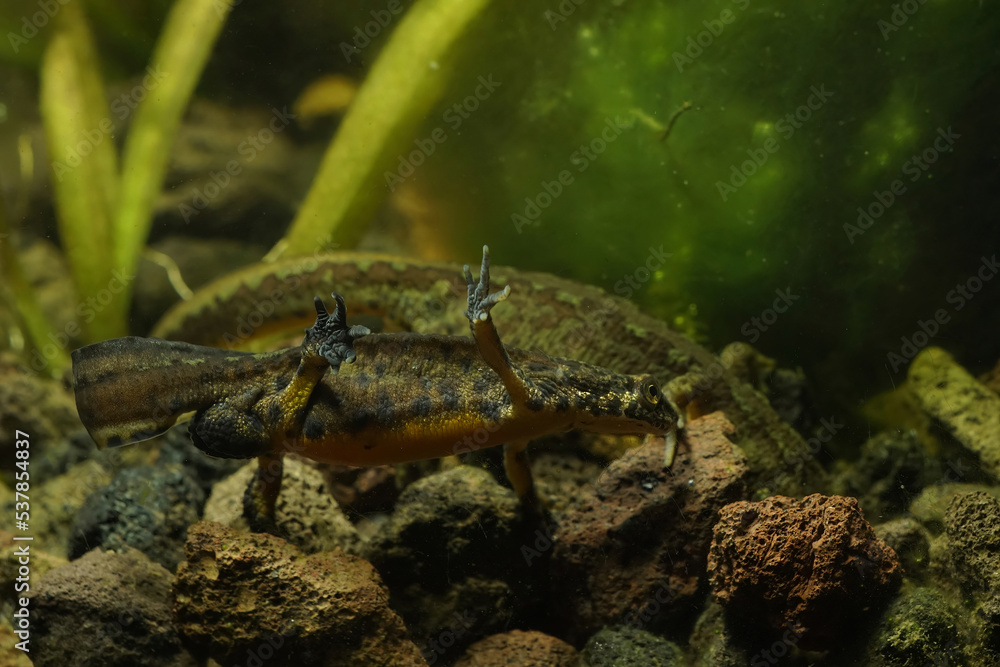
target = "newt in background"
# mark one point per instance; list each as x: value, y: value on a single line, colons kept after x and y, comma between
x: 351, y: 397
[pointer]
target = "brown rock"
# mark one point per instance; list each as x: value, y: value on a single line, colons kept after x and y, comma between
x: 105, y: 609
x: 812, y: 566
x: 241, y: 595
x: 635, y: 551
x: 519, y: 649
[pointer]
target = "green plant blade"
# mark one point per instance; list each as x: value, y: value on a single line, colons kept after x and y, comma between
x: 401, y: 88
x: 185, y: 44
x: 82, y: 159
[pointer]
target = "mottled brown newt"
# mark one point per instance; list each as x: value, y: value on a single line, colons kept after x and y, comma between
x: 546, y: 313
x: 352, y: 397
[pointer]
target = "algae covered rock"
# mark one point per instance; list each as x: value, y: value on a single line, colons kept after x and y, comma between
x: 106, y: 609
x: 921, y: 627
x: 813, y: 566
x: 634, y: 551
x: 239, y: 595
x: 964, y: 407
x: 893, y: 467
x: 145, y: 507
x: 630, y: 647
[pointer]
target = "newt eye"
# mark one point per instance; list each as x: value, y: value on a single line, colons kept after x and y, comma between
x: 652, y: 393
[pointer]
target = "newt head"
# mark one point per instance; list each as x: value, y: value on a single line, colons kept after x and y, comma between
x: 599, y: 400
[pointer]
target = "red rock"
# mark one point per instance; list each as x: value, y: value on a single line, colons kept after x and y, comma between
x: 242, y: 596
x: 519, y: 649
x: 812, y: 566
x: 635, y: 551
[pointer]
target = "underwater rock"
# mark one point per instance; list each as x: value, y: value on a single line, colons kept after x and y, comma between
x: 893, y: 467
x: 518, y: 648
x: 452, y: 549
x: 361, y: 491
x: 920, y: 627
x: 306, y: 513
x: 931, y: 506
x: 106, y: 609
x: 712, y: 642
x: 635, y: 550
x: 146, y: 507
x: 55, y: 503
x: 812, y: 566
x: 910, y: 541
x: 630, y: 647
x: 972, y: 523
x: 45, y: 410
x: 787, y: 390
x: 242, y: 596
x: 960, y: 404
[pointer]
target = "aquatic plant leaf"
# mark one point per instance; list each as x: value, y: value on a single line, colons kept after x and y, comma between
x: 83, y: 162
x: 403, y: 85
x: 182, y: 50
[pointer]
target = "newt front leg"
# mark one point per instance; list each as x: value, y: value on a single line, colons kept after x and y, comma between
x: 495, y: 355
x: 327, y: 344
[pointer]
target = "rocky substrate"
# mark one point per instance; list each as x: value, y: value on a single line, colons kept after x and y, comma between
x: 142, y: 558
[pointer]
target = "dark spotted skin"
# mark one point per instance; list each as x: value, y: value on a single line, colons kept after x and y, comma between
x: 130, y: 389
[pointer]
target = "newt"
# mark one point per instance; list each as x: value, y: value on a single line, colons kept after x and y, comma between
x: 349, y: 396
x: 546, y: 313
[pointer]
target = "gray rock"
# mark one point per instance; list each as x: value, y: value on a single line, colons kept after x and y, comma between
x: 452, y: 549
x: 106, y: 609
x: 146, y: 507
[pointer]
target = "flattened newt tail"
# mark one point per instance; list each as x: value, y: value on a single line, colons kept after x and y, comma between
x: 352, y: 397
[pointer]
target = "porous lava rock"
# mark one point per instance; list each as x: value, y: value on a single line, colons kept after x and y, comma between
x: 519, y: 648
x: 635, y: 551
x: 813, y: 567
x: 240, y: 597
x: 105, y: 609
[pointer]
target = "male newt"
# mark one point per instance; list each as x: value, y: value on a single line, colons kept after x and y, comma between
x: 558, y: 317
x: 352, y: 397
